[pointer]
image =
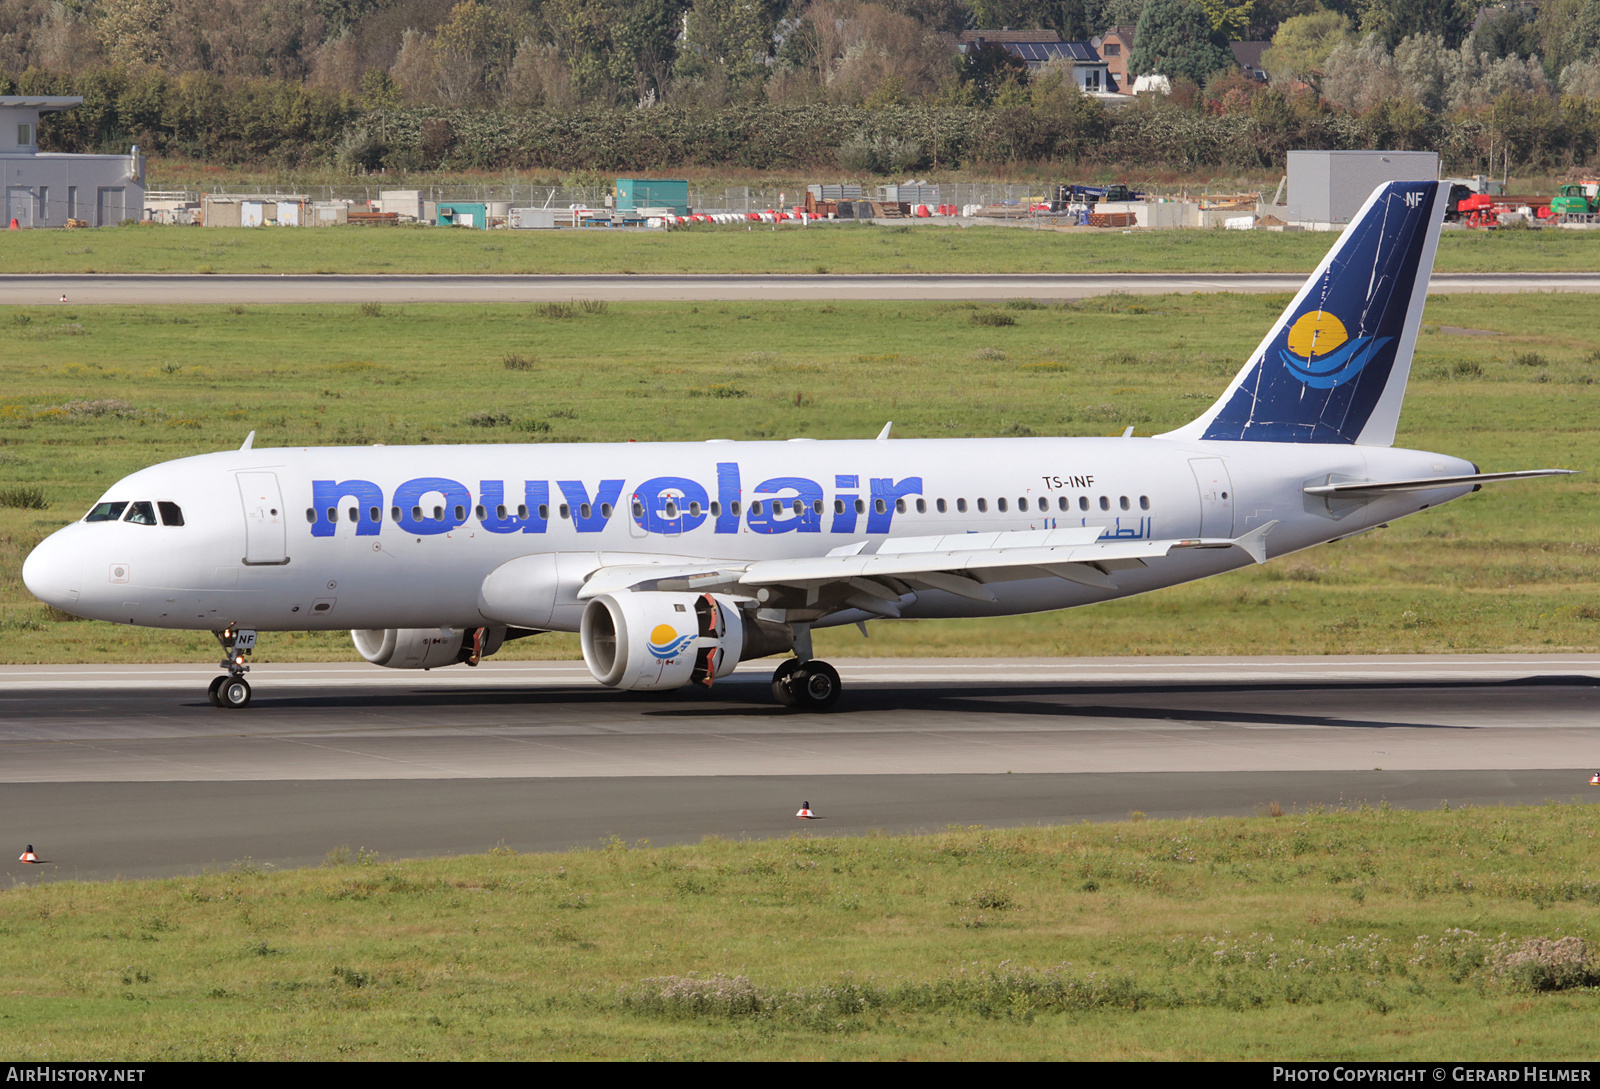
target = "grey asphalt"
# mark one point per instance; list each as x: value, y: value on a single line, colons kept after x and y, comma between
x: 125, y: 289
x: 104, y: 831
x: 127, y: 771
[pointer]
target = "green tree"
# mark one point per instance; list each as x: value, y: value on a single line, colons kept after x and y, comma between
x: 616, y: 47
x: 1566, y: 30
x: 475, y: 48
x: 1301, y: 47
x: 1359, y: 75
x: 195, y: 112
x: 1229, y: 22
x: 133, y: 32
x: 581, y: 32
x: 1393, y: 20
x: 1276, y: 123
x: 140, y: 107
x: 1401, y: 124
x: 1174, y: 38
x: 1068, y: 18
x: 1584, y: 36
x: 1530, y: 125
x: 1508, y: 32
x: 341, y: 15
x: 984, y: 71
x: 1070, y: 122
x: 947, y: 16
x: 1424, y: 67
x: 648, y: 39
x: 731, y: 38
x: 96, y: 120
x: 1267, y: 16
x: 379, y: 91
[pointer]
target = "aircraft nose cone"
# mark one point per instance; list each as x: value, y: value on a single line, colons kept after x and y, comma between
x: 52, y: 576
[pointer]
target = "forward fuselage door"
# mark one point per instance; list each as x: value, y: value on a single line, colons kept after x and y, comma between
x: 1216, y: 496
x: 265, y: 529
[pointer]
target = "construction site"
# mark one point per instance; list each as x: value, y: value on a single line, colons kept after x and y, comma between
x: 1320, y: 191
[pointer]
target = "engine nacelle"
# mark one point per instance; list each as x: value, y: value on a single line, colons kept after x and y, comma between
x: 661, y: 640
x: 426, y: 648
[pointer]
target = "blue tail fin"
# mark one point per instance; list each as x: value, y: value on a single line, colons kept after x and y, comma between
x: 1334, y: 367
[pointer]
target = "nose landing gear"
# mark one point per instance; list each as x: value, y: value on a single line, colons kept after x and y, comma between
x: 232, y: 690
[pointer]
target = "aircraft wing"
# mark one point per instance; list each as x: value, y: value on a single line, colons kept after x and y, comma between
x: 961, y: 564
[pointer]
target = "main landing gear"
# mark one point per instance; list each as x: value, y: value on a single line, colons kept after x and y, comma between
x: 808, y: 685
x: 231, y: 689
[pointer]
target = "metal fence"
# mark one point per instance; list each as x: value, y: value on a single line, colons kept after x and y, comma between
x: 713, y: 199
x: 737, y: 198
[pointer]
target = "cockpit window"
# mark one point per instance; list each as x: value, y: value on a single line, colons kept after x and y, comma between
x: 106, y: 512
x: 141, y: 513
x: 171, y: 514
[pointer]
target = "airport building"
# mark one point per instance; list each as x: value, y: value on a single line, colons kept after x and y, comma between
x: 1327, y: 188
x: 48, y: 188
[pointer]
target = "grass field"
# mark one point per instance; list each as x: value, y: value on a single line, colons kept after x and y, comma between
x: 1361, y: 934
x: 839, y: 248
x: 93, y: 394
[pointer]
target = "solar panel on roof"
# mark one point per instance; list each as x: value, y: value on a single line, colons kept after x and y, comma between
x: 1044, y: 51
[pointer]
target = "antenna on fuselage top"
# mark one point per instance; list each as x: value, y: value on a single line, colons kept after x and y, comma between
x: 249, y: 441
x: 883, y: 435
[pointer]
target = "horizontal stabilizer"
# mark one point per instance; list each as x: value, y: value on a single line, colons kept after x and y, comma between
x: 1357, y: 488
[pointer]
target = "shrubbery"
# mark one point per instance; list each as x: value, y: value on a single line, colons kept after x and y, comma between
x: 288, y: 124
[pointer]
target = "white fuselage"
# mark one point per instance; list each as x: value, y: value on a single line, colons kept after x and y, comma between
x: 447, y: 516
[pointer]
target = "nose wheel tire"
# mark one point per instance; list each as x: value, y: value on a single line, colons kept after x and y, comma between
x: 806, y: 686
x: 234, y: 692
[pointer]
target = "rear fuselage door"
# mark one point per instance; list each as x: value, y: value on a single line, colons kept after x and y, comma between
x: 1216, y: 496
x: 265, y: 532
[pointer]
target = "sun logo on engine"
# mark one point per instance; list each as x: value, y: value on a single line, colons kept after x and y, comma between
x: 1320, y: 352
x: 666, y: 644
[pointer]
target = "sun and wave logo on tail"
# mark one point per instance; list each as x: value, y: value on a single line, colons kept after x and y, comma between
x: 1321, y: 353
x: 665, y: 643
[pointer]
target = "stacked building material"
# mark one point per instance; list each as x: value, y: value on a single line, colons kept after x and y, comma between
x: 911, y: 193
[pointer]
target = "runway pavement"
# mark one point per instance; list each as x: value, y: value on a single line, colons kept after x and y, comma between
x: 128, y: 770
x: 90, y: 290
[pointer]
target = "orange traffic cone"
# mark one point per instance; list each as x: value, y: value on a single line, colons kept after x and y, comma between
x: 15, y: 226
x: 805, y: 813
x: 1594, y: 780
x: 28, y: 855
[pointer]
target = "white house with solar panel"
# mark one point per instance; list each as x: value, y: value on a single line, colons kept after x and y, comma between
x: 1038, y: 48
x: 47, y: 188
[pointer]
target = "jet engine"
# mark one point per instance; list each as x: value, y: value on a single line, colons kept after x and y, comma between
x: 648, y: 640
x: 426, y: 648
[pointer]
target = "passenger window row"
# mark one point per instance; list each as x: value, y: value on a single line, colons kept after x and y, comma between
x: 139, y: 512
x: 1025, y: 505
x: 501, y: 511
x: 111, y: 511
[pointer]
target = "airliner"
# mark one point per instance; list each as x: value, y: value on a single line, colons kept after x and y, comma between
x: 674, y: 562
